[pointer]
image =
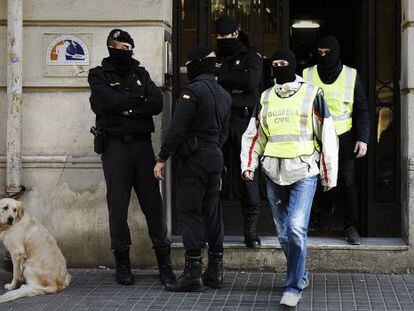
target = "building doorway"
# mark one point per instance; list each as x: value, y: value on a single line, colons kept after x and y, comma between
x: 369, y: 38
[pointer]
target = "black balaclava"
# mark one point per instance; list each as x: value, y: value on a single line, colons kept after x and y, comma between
x: 287, y: 73
x: 244, y: 38
x: 199, y: 63
x: 121, y: 59
x: 329, y: 66
x: 227, y: 47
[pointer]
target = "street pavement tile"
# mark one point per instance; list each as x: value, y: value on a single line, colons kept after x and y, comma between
x: 94, y: 289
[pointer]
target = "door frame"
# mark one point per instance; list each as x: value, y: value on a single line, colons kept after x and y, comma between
x: 204, y: 30
x: 371, y: 214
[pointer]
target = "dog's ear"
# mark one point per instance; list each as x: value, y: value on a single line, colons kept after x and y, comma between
x: 20, y: 210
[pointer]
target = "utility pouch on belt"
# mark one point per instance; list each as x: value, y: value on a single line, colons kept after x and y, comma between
x: 99, y: 140
x: 188, y: 147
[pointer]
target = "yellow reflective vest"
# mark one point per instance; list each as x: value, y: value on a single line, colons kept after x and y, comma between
x: 287, y: 122
x: 339, y: 95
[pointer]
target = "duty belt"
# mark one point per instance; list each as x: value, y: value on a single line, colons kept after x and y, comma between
x: 129, y: 138
x: 208, y: 144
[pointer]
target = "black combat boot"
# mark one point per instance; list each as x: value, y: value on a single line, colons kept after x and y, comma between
x: 123, y: 274
x: 214, y: 274
x: 250, y: 237
x: 352, y: 236
x: 164, y: 265
x: 190, y: 280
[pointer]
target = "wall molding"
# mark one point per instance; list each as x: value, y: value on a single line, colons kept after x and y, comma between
x: 407, y: 24
x: 53, y: 89
x: 92, y: 23
x: 58, y: 161
x: 407, y: 91
x: 36, y: 89
x: 411, y: 164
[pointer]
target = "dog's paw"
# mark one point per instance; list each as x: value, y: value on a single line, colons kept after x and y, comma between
x: 9, y: 286
x: 4, y: 299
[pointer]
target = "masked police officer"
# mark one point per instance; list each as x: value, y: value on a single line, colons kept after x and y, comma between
x: 196, y: 134
x: 347, y: 102
x: 124, y: 99
x: 240, y: 73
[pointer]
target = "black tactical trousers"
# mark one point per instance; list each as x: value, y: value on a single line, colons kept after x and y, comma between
x: 128, y: 165
x: 197, y: 194
x: 249, y: 190
x: 346, y: 187
x: 346, y: 180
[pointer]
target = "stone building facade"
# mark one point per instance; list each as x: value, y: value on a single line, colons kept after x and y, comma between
x: 63, y: 176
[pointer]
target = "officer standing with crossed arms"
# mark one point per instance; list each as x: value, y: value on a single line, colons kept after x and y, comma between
x: 125, y: 99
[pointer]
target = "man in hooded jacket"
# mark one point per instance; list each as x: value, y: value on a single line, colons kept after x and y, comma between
x: 124, y: 99
x: 344, y: 92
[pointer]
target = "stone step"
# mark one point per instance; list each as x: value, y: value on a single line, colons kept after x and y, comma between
x: 271, y: 242
x: 374, y: 255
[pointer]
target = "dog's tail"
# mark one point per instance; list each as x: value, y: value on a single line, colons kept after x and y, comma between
x: 68, y: 278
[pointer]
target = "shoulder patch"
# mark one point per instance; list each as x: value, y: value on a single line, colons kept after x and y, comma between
x: 186, y: 96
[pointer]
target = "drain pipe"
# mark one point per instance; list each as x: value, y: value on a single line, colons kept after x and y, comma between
x: 14, y: 96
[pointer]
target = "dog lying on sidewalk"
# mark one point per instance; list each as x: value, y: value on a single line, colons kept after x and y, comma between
x: 37, y: 259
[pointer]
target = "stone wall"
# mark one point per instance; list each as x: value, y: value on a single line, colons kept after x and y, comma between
x: 407, y: 120
x: 66, y: 188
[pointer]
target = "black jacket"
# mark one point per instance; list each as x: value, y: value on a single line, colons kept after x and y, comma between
x: 240, y: 75
x: 195, y: 115
x: 113, y: 92
x: 360, y: 116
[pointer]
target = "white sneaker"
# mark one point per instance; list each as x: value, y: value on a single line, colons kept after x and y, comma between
x: 290, y: 299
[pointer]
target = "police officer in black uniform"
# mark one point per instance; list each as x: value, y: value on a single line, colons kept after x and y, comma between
x: 124, y: 99
x: 196, y: 134
x: 240, y: 73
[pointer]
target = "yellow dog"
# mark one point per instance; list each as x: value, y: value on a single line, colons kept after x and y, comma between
x: 38, y: 263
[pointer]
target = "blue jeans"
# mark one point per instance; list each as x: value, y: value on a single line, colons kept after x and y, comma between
x: 291, y: 206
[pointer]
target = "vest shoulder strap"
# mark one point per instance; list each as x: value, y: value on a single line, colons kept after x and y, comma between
x: 350, y: 78
x: 264, y: 100
x: 309, y: 73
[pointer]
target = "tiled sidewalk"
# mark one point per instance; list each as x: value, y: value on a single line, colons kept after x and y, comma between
x: 95, y: 290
